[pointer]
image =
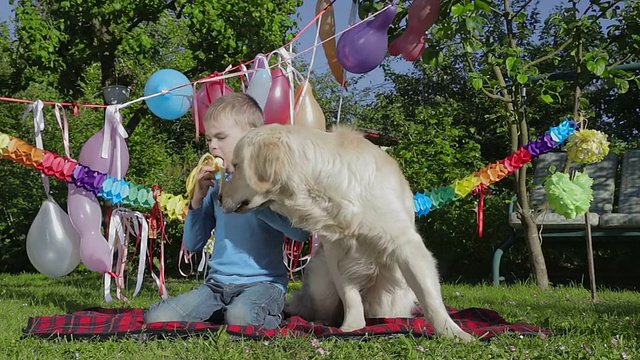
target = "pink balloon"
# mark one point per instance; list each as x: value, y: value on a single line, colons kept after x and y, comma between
x: 422, y: 15
x: 277, y: 110
x: 86, y: 216
x: 91, y: 154
x: 207, y: 94
x: 83, y: 207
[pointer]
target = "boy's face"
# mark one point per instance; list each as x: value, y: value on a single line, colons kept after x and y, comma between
x: 222, y: 137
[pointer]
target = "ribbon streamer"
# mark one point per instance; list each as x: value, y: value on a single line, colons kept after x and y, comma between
x: 38, y: 124
x: 63, y: 123
x: 122, y: 224
x: 113, y: 122
x: 480, y: 190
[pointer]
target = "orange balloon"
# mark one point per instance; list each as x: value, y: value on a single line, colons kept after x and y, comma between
x: 308, y: 113
x: 327, y: 30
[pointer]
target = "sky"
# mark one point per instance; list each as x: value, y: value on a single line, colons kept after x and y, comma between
x: 306, y: 13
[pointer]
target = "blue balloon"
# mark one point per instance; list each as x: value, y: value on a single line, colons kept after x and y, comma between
x: 174, y: 104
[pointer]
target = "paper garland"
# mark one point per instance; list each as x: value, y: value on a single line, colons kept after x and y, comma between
x: 118, y: 191
x: 554, y: 137
x: 584, y: 146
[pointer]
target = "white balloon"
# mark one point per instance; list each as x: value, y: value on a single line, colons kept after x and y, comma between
x: 259, y: 87
x: 53, y: 244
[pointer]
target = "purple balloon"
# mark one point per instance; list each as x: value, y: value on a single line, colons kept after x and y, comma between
x: 260, y: 62
x: 83, y: 207
x: 362, y: 48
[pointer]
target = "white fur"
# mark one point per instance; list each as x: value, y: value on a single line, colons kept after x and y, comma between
x: 354, y: 196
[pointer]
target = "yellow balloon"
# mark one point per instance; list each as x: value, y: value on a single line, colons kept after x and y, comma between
x: 327, y: 30
x: 308, y: 112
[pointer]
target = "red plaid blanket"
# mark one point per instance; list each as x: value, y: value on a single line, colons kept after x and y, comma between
x: 101, y: 323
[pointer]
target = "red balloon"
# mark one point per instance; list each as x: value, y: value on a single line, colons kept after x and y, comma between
x: 207, y: 94
x: 277, y: 110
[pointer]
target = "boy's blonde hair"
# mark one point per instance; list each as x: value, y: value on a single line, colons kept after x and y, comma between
x: 238, y: 107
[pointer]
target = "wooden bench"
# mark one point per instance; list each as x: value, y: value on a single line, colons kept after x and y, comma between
x: 607, y: 217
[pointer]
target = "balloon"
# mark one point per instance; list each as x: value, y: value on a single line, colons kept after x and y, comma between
x: 53, y: 245
x: 422, y: 15
x: 260, y: 86
x: 174, y: 104
x: 86, y: 216
x: 259, y: 62
x: 207, y: 94
x: 362, y: 48
x: 83, y: 207
x: 91, y: 154
x: 278, y: 107
x: 327, y: 30
x: 309, y: 112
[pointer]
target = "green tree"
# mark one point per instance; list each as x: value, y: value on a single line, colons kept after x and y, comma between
x: 495, y: 38
x: 70, y: 50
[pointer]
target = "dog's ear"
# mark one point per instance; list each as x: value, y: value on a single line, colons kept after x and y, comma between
x: 268, y: 163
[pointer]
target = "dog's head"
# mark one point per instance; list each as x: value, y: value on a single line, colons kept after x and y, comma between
x: 262, y: 161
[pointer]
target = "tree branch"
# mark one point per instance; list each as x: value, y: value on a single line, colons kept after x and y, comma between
x: 603, y: 13
x: 136, y: 118
x: 612, y: 66
x: 496, y: 11
x: 549, y: 55
x: 494, y: 96
x: 508, y: 17
x: 524, y: 6
x: 487, y: 93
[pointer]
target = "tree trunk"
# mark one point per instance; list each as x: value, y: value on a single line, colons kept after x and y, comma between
x: 518, y: 131
x: 534, y: 245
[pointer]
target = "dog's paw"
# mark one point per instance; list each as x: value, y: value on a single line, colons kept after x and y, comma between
x: 352, y: 326
x: 464, y: 337
x: 458, y: 334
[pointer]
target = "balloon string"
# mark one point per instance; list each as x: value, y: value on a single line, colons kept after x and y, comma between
x: 74, y: 104
x: 278, y: 64
x: 313, y: 57
x: 219, y: 77
x: 340, y: 102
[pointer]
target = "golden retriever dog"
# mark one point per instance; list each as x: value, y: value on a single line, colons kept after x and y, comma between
x: 355, y: 197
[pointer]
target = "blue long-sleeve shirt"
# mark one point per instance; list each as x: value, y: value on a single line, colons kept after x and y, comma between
x: 248, y: 247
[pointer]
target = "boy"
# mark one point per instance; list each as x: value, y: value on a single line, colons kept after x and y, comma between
x: 248, y: 280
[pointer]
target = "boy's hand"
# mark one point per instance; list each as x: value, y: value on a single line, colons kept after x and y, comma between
x: 204, y: 180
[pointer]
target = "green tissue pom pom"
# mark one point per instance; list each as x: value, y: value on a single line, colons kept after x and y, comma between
x: 569, y: 198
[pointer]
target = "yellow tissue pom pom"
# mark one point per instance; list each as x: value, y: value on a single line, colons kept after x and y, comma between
x: 587, y: 146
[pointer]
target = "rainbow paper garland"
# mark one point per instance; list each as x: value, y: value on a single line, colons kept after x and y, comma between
x: 118, y: 191
x: 554, y: 137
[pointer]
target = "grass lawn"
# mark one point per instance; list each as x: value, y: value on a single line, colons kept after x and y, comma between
x: 609, y: 329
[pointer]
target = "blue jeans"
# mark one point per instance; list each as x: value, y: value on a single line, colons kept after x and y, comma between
x: 259, y: 304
